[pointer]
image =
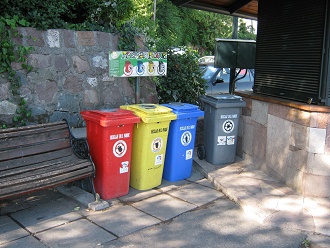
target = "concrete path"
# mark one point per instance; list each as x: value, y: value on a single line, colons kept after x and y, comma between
x: 218, y: 206
x: 188, y: 213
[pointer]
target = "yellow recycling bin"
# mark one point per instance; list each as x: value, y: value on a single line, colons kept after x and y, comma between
x: 149, y: 144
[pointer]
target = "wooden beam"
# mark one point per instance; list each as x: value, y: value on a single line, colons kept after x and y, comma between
x: 237, y: 5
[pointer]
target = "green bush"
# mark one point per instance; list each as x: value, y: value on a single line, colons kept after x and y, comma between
x: 184, y: 82
x: 70, y: 14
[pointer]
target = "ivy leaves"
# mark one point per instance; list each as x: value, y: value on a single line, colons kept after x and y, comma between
x: 11, y: 52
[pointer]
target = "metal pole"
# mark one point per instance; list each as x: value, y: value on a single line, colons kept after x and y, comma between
x: 233, y: 70
x: 155, y: 5
x: 137, y: 90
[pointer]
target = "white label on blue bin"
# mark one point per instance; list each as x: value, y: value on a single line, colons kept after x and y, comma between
x: 119, y: 148
x: 186, y: 138
x: 221, y: 141
x: 190, y: 127
x: 230, y: 140
x: 124, y: 167
x: 189, y: 154
x: 228, y: 126
x: 159, y: 160
x: 156, y: 144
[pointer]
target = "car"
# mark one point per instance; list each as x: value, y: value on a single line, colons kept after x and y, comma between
x: 217, y: 79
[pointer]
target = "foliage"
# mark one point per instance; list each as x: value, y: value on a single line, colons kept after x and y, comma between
x: 169, y: 27
x: 183, y: 82
x: 246, y: 32
x: 11, y: 53
x: 77, y: 14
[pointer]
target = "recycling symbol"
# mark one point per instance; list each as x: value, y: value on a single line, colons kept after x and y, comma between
x: 156, y: 144
x: 186, y: 138
x: 228, y: 126
x: 119, y: 148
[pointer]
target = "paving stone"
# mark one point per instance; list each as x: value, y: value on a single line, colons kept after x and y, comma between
x: 163, y: 206
x: 299, y: 221
x: 122, y: 220
x: 135, y: 195
x: 195, y: 175
x: 196, y: 194
x: 205, y: 183
x: 10, y: 231
x: 47, y: 215
x: 25, y: 242
x: 166, y: 185
x: 15, y: 204
x: 80, y: 233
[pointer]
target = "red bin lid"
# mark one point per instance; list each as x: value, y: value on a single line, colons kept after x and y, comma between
x: 112, y: 117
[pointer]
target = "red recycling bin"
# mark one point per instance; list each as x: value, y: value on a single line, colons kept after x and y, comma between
x: 109, y: 136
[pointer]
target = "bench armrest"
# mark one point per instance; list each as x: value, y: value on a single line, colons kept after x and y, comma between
x: 80, y: 147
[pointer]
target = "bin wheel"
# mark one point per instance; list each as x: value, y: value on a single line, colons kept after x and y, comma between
x: 201, y: 152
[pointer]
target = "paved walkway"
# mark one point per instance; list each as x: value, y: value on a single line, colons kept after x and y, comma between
x: 50, y: 219
x: 190, y: 213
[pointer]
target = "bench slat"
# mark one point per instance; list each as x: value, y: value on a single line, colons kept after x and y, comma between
x: 46, y: 172
x: 27, y: 130
x: 45, y: 183
x: 38, y: 166
x: 27, y: 140
x: 39, y: 158
x: 36, y: 149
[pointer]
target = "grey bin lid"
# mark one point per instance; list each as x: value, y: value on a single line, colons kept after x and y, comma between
x: 223, y: 100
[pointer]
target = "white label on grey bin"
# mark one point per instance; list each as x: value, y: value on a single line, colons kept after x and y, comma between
x: 119, y: 148
x: 230, y: 140
x: 234, y: 116
x: 186, y: 138
x: 226, y: 140
x: 221, y: 141
x: 228, y: 126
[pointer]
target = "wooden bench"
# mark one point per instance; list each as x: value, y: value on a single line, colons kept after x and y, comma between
x: 41, y: 156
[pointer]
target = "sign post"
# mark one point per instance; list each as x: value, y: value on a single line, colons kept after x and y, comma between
x: 137, y: 64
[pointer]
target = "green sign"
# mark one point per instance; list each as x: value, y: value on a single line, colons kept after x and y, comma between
x: 137, y: 64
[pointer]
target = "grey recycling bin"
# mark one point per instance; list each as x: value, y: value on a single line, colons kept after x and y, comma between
x: 221, y: 120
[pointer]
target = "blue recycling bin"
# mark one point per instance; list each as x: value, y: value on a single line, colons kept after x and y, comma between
x: 181, y: 141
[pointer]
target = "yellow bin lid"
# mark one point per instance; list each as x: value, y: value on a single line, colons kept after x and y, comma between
x: 151, y: 112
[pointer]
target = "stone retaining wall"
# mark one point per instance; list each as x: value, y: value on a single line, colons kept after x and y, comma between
x: 288, y: 144
x: 70, y: 74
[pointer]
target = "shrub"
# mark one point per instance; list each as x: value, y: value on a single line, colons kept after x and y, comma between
x: 184, y: 82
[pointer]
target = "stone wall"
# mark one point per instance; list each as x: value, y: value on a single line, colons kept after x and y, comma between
x: 70, y: 74
x: 289, y: 144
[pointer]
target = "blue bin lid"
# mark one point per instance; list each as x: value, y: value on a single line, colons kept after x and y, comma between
x: 184, y: 110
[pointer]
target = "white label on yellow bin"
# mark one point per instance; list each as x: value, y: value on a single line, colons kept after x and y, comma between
x: 230, y: 140
x: 124, y: 167
x: 186, y: 138
x: 156, y: 144
x: 159, y: 160
x: 189, y: 154
x: 119, y: 148
x: 221, y: 141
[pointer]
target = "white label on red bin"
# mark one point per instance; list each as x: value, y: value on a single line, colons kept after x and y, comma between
x: 124, y: 167
x: 119, y: 148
